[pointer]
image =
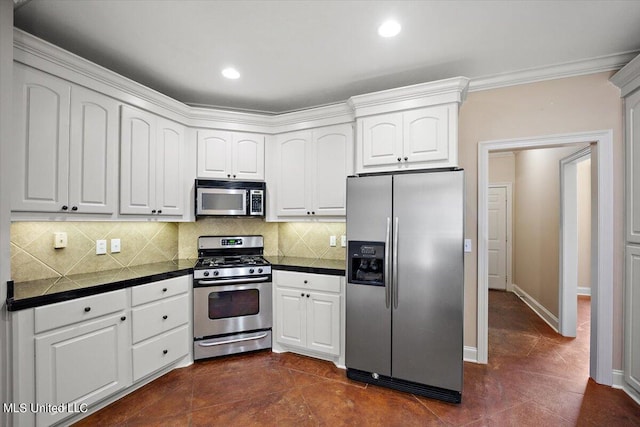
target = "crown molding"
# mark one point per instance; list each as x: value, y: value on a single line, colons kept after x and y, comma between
x: 552, y: 72
x: 628, y: 78
x: 420, y: 95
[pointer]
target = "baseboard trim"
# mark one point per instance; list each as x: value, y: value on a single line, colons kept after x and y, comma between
x: 584, y: 291
x: 470, y: 354
x: 537, y: 308
x: 620, y: 383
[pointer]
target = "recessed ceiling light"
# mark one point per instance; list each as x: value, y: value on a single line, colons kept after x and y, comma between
x: 231, y: 73
x: 389, y: 28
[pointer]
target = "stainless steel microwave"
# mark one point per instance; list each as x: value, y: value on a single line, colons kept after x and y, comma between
x: 230, y: 198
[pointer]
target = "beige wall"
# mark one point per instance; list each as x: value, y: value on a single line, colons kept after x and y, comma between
x: 576, y: 104
x: 584, y: 224
x: 502, y: 168
x: 33, y: 256
x: 537, y: 224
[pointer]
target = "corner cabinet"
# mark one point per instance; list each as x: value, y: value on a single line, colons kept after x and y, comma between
x: 66, y: 146
x: 151, y: 162
x: 628, y: 80
x: 310, y: 172
x: 414, y: 127
x: 230, y: 155
x: 308, y: 313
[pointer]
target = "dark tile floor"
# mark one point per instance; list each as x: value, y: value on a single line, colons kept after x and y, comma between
x: 534, y: 378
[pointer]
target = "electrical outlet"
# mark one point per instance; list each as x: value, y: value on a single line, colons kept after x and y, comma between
x: 115, y: 246
x: 101, y: 247
x: 343, y: 241
x: 467, y: 245
x: 59, y: 240
x: 332, y: 241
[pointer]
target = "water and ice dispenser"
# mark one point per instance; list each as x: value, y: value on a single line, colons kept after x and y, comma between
x: 366, y: 263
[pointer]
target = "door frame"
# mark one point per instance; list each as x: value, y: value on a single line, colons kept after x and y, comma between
x: 601, y: 360
x: 568, y: 274
x: 509, y: 225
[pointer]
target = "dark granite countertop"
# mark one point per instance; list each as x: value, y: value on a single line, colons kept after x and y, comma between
x: 35, y: 293
x: 332, y: 267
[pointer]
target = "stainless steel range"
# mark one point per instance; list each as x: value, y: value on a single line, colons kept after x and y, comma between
x: 232, y: 308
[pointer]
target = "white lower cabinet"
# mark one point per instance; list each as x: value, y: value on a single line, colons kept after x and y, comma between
x: 308, y: 312
x: 86, y: 350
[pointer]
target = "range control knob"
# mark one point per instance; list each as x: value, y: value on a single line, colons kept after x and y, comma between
x: 251, y: 270
x: 216, y: 272
x: 206, y: 273
x: 259, y: 270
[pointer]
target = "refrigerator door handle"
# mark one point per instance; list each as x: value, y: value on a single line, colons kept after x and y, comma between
x: 395, y: 264
x: 387, y: 266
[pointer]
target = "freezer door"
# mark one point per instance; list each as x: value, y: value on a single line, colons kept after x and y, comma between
x: 428, y: 295
x: 368, y: 322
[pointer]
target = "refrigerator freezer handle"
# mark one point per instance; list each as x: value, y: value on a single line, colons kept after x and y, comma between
x: 395, y: 264
x: 387, y: 266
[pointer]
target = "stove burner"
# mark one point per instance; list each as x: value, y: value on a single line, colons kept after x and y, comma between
x: 229, y: 261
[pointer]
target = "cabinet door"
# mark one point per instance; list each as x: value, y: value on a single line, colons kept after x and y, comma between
x: 632, y: 318
x: 381, y: 140
x: 248, y: 156
x: 214, y: 154
x: 294, y: 155
x: 169, y: 179
x: 333, y: 162
x: 41, y: 163
x: 632, y: 124
x: 81, y: 364
x: 323, y: 323
x: 290, y: 317
x: 93, y: 154
x: 137, y: 162
x: 426, y: 135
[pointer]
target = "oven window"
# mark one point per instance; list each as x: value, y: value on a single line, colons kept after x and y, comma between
x: 227, y: 304
x: 223, y: 202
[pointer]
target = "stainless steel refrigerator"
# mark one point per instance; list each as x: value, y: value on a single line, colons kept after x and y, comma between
x: 405, y: 279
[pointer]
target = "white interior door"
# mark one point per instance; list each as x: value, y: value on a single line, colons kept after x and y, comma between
x: 498, y: 238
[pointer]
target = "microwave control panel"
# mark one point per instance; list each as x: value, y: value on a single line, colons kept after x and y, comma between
x: 256, y: 202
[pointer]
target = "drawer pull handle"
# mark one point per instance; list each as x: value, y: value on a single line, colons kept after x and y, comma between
x: 123, y: 318
x: 165, y: 317
x: 87, y: 309
x: 165, y: 351
x: 164, y: 289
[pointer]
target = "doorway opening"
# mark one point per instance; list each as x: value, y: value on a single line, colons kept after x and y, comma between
x: 601, y: 340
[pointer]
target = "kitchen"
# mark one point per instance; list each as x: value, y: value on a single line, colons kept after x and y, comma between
x: 340, y: 115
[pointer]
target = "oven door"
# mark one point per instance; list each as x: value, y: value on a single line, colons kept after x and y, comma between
x: 221, y: 201
x: 227, y: 306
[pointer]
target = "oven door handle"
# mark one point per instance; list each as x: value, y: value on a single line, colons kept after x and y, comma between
x: 232, y: 340
x: 232, y: 281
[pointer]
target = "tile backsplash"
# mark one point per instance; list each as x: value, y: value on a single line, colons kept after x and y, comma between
x: 33, y: 256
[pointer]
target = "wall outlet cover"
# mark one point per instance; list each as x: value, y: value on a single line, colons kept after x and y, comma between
x: 343, y: 241
x: 115, y: 246
x: 332, y: 241
x: 101, y: 247
x: 59, y: 240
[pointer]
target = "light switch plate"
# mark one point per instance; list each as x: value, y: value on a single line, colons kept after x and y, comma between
x: 101, y: 247
x: 115, y: 246
x: 467, y: 245
x: 332, y: 241
x: 59, y: 240
x: 343, y: 241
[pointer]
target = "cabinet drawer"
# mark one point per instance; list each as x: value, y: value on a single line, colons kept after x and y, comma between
x: 159, y: 317
x: 158, y: 290
x: 318, y: 282
x: 78, y: 310
x: 161, y: 351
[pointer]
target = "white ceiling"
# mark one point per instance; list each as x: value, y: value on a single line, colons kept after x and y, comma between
x: 298, y: 54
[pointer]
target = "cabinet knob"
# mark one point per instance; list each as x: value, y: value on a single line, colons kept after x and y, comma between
x: 234, y: 176
x: 306, y: 281
x: 313, y: 213
x: 406, y: 158
x: 307, y: 295
x: 308, y: 213
x: 87, y: 309
x: 302, y: 294
x: 165, y: 317
x: 165, y: 351
x: 160, y: 211
x: 228, y: 175
x: 65, y: 207
x: 123, y: 318
x: 399, y: 159
x: 74, y: 208
x: 153, y: 211
x: 164, y: 289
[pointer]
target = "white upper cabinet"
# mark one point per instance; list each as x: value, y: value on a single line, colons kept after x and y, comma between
x: 414, y: 127
x: 66, y: 146
x: 311, y: 169
x: 151, y: 162
x: 230, y: 155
